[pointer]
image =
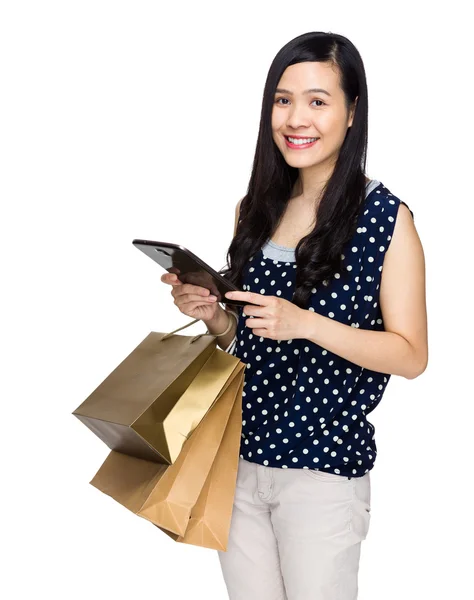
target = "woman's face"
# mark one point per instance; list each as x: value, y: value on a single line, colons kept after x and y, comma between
x: 310, y: 114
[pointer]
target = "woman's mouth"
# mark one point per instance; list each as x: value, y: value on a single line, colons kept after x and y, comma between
x: 299, y: 143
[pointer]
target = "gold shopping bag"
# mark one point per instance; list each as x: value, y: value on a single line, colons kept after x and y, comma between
x: 167, y: 494
x: 210, y: 519
x: 190, y: 497
x: 154, y: 399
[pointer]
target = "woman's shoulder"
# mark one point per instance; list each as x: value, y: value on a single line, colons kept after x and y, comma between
x: 382, y: 203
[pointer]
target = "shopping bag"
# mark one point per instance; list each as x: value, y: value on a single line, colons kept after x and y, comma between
x: 154, y: 399
x: 210, y: 519
x: 166, y: 494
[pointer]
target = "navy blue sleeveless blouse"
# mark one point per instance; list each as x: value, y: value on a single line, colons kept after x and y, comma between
x: 303, y: 406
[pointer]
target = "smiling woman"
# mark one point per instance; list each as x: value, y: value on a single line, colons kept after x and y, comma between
x: 307, y: 96
x: 334, y: 269
x: 302, y: 119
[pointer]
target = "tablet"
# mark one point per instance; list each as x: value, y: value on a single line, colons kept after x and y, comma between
x: 189, y: 268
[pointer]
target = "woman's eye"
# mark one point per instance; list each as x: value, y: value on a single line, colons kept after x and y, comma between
x: 277, y: 101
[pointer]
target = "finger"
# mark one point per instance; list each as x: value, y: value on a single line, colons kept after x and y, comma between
x: 189, y: 288
x: 170, y: 279
x: 250, y: 310
x: 252, y: 297
x: 197, y: 300
x: 190, y: 306
x: 255, y: 323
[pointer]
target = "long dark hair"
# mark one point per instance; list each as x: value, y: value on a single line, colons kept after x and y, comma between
x: 318, y: 254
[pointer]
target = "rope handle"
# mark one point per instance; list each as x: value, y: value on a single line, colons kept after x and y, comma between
x: 196, y: 337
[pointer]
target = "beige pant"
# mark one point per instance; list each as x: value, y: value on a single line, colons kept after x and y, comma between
x: 295, y: 534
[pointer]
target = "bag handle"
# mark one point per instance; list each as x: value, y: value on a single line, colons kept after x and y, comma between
x: 196, y: 337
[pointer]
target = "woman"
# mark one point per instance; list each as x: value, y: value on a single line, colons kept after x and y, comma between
x: 312, y: 236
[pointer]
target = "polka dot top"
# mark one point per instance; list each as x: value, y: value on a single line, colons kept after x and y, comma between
x: 303, y: 406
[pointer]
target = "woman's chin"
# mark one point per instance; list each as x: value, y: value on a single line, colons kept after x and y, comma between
x: 301, y: 162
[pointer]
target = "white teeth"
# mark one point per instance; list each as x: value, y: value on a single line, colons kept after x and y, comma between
x: 300, y: 142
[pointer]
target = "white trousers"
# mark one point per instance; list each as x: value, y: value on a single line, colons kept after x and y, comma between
x: 295, y: 534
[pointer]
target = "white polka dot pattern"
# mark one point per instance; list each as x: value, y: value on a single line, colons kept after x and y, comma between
x: 303, y: 406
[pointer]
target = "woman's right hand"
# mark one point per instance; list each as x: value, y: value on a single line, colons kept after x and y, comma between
x: 192, y: 300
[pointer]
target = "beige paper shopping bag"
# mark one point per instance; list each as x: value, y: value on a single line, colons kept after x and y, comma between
x: 211, y: 516
x: 166, y: 495
x: 148, y: 406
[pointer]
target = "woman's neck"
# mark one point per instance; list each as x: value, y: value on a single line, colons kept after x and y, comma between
x: 310, y: 193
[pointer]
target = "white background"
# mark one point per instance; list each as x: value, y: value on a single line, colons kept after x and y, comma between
x: 139, y: 119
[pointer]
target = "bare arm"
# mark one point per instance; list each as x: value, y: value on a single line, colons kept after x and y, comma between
x: 402, y: 349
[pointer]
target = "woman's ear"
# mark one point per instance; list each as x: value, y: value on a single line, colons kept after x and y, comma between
x: 352, y: 111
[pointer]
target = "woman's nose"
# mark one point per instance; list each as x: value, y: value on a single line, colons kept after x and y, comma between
x: 298, y: 117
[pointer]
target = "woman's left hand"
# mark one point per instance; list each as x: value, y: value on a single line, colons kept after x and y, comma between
x: 274, y: 317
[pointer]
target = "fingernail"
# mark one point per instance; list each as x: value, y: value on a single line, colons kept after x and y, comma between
x: 228, y: 295
x: 212, y: 297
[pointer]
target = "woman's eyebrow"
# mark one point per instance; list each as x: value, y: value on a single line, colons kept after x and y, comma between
x: 310, y: 91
